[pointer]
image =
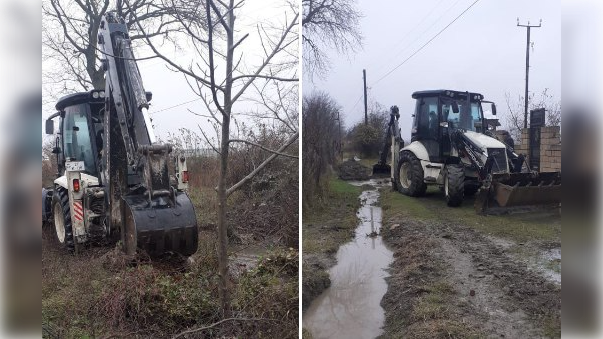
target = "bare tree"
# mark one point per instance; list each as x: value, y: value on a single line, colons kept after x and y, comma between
x: 223, y: 75
x: 327, y: 24
x: 515, y: 115
x: 70, y: 38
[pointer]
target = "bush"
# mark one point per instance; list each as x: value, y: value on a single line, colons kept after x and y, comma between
x: 320, y: 143
x: 367, y: 140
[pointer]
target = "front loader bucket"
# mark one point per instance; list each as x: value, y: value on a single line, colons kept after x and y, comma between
x: 160, y: 228
x: 521, y: 189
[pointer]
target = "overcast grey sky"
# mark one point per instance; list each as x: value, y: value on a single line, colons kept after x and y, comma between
x: 483, y: 51
x: 172, y: 97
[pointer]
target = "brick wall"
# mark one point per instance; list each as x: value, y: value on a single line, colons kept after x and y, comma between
x: 550, y: 147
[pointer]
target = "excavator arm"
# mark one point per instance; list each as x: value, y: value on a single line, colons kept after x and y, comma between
x: 143, y: 206
x: 392, y: 137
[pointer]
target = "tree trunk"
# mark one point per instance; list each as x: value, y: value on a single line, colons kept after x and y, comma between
x: 98, y: 79
x: 224, y: 151
x: 222, y: 227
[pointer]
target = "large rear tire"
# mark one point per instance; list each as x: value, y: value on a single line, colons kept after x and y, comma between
x: 410, y: 180
x: 454, y: 179
x: 62, y: 219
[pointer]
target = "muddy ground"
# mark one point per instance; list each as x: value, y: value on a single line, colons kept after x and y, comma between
x: 456, y: 274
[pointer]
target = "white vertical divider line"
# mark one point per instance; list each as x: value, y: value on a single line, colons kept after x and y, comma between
x: 299, y: 163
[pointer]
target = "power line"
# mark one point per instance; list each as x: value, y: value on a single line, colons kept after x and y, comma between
x: 407, y: 34
x: 177, y: 105
x: 356, y: 104
x: 383, y: 65
x: 427, y: 43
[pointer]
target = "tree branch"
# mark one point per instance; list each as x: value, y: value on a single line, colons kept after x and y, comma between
x: 268, y: 160
x: 264, y: 148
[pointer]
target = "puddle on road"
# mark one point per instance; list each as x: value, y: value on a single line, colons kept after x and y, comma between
x: 550, y: 265
x: 350, y: 307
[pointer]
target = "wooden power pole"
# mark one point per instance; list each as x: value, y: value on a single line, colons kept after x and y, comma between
x: 365, y: 101
x: 528, y: 27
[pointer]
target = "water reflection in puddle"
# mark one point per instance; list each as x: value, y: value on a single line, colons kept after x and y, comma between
x: 351, y: 308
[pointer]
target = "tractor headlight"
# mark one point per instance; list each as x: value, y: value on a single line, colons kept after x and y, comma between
x: 95, y: 95
x: 101, y: 94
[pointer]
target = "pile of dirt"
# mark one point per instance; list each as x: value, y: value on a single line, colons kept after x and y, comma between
x: 353, y: 170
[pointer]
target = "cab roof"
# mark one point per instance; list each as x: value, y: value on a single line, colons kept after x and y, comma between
x: 76, y: 99
x: 444, y: 92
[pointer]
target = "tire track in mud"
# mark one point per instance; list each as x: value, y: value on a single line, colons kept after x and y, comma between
x: 485, y: 293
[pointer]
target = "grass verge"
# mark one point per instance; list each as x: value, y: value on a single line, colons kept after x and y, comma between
x: 521, y: 227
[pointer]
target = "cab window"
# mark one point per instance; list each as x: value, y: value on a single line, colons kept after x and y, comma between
x: 76, y: 137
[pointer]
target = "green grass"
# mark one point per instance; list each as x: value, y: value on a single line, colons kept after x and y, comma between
x: 342, y: 188
x: 519, y: 227
x: 326, y: 226
x: 433, y: 304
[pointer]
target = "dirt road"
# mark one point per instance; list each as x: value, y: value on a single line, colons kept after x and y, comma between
x: 456, y: 274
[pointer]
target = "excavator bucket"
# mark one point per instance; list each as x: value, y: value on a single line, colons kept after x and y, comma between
x: 161, y: 226
x: 520, y: 189
x: 381, y: 169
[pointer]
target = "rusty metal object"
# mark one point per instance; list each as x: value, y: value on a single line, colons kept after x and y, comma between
x: 520, y: 189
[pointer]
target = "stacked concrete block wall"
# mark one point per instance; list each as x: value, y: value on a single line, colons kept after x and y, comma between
x: 550, y: 147
x: 522, y: 146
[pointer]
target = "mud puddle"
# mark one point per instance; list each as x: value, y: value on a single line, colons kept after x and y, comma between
x: 350, y: 307
x: 549, y: 265
x: 245, y: 258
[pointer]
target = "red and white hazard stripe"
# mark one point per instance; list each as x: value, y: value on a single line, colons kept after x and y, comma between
x: 78, y: 210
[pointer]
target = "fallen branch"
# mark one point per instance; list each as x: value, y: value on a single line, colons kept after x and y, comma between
x: 194, y: 330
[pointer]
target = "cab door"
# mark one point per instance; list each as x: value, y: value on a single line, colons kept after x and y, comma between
x: 426, y: 127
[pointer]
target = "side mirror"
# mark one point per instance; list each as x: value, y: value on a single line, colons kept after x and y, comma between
x: 49, y: 126
x: 493, y: 109
x: 149, y: 96
x: 455, y: 107
x: 56, y: 150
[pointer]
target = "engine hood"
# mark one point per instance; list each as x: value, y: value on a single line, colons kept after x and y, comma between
x: 484, y: 141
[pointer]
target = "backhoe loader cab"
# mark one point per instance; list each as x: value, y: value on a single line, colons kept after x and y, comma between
x: 439, y: 113
x: 80, y: 130
x: 451, y: 147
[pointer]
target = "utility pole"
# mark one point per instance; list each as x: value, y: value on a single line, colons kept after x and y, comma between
x: 365, y: 101
x: 340, y: 139
x: 528, y: 27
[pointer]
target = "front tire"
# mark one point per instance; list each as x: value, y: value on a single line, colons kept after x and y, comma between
x: 410, y: 175
x: 454, y: 179
x: 62, y: 219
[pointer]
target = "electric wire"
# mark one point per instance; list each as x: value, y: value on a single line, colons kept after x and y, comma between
x: 425, y: 44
